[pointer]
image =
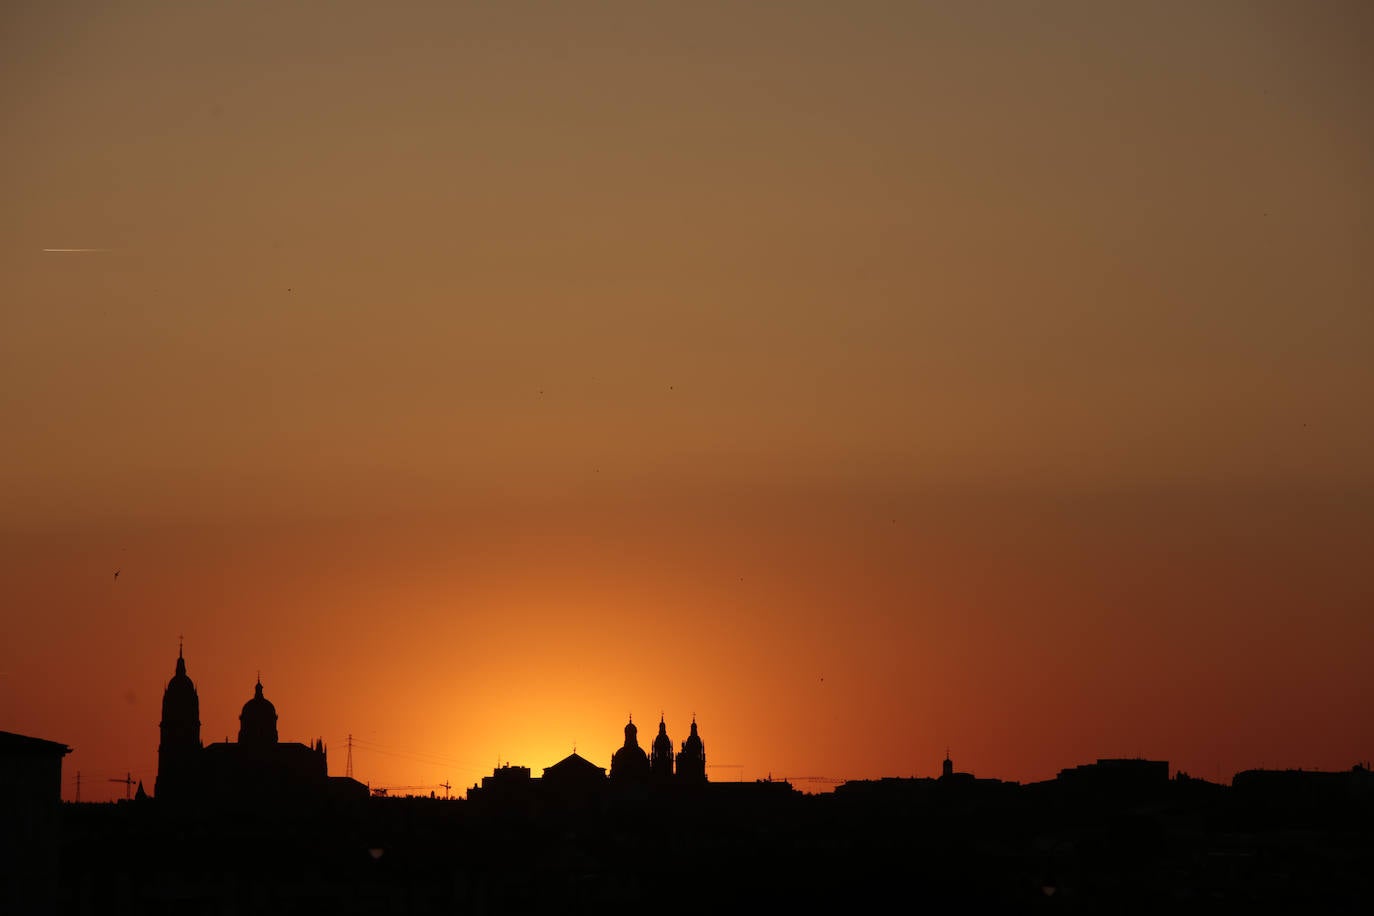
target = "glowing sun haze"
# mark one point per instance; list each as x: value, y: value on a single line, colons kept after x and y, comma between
x: 865, y: 379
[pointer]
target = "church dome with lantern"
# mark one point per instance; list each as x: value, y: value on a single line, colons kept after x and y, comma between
x: 258, y: 721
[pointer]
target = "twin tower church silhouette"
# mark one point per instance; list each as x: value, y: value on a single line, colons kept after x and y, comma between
x: 260, y: 767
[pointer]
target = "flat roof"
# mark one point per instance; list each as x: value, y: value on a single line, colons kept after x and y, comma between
x: 10, y: 743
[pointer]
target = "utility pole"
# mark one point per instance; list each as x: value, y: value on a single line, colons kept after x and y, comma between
x: 348, y: 761
x: 78, y: 785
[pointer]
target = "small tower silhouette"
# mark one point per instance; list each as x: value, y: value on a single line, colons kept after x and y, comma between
x: 691, y: 760
x: 661, y: 753
x: 947, y: 768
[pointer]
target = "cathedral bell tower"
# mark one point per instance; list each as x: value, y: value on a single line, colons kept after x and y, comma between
x: 661, y: 754
x: 180, y: 745
x: 691, y: 760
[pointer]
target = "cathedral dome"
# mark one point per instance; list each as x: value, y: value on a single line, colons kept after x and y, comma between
x: 258, y: 721
x: 630, y: 761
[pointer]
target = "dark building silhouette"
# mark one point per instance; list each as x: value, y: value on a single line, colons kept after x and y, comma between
x: 1307, y: 792
x: 576, y: 784
x: 258, y: 720
x: 1117, y: 835
x: 179, y: 748
x: 691, y: 760
x: 1116, y: 777
x: 30, y: 822
x: 630, y: 763
x: 573, y: 783
x: 951, y: 787
x: 661, y: 754
x: 509, y: 789
x: 257, y: 769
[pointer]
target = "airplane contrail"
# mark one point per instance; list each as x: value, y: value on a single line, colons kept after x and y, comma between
x: 76, y: 249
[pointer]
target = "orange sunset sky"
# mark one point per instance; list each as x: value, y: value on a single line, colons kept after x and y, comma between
x: 867, y: 379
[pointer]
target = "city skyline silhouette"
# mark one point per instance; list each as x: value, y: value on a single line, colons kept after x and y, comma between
x: 874, y: 384
x: 181, y: 730
x: 257, y: 824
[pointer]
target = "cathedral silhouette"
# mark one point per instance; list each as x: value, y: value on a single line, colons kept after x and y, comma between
x: 631, y: 764
x: 258, y: 767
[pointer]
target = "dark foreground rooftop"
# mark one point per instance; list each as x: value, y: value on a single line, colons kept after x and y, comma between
x: 1071, y: 845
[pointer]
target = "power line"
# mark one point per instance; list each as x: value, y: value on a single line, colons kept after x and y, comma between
x: 425, y: 757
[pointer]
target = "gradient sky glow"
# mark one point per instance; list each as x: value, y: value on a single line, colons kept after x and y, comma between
x: 866, y: 379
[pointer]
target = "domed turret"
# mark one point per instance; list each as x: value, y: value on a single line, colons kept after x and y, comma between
x: 630, y: 762
x: 691, y: 761
x: 258, y: 721
x: 661, y: 757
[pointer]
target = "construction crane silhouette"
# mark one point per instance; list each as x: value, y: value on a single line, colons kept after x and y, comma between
x: 128, y: 781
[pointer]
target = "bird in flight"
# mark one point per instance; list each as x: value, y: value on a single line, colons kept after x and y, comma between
x: 116, y: 574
